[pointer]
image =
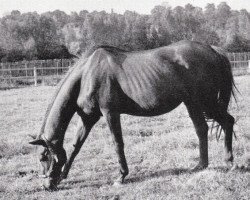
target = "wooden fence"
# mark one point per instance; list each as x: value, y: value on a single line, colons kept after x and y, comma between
x: 239, y: 56
x: 240, y: 62
x: 34, y: 71
x: 37, y: 71
x: 240, y: 67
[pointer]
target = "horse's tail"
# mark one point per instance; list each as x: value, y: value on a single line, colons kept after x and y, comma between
x: 227, y: 85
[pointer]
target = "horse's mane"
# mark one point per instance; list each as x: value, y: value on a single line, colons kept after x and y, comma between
x: 60, y: 84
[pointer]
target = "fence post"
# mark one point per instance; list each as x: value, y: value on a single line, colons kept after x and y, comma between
x: 35, y: 76
x: 1, y: 67
x: 57, y: 66
x: 10, y: 74
x: 248, y: 69
x: 26, y: 71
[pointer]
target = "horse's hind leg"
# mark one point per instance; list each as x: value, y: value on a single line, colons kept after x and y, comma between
x: 114, y: 124
x: 201, y: 128
x: 227, y: 122
x: 84, y: 126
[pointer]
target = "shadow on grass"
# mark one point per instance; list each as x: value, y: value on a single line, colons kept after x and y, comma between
x: 222, y: 169
x: 144, y: 176
x: 83, y: 184
x: 138, y: 178
x: 162, y: 173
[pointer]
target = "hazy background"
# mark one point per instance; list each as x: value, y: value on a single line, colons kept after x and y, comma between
x: 40, y: 30
x: 119, y: 6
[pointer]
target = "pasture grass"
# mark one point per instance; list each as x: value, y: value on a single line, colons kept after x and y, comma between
x: 160, y: 152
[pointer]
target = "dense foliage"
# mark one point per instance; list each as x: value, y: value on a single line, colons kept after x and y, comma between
x: 54, y: 34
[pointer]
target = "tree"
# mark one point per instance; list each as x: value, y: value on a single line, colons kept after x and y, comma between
x: 244, y: 24
x: 33, y: 36
x: 47, y: 38
x: 2, y: 53
x: 223, y: 13
x: 238, y: 44
x: 162, y: 25
x: 139, y: 33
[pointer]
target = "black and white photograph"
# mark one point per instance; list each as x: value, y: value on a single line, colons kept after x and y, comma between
x: 125, y: 100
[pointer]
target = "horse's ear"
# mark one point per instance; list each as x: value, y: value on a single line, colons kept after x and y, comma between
x: 38, y: 142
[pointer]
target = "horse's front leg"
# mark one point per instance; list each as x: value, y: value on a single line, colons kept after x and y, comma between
x: 201, y: 128
x: 114, y: 124
x: 84, y: 126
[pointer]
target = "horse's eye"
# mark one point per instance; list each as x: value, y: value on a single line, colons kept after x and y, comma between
x: 46, y: 153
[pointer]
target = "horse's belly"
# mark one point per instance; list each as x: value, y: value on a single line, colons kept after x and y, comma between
x: 153, y: 108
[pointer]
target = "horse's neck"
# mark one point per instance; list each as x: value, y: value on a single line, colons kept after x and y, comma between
x: 62, y: 109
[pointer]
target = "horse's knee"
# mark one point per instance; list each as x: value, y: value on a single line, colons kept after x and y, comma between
x: 202, y: 129
x: 61, y: 156
x: 231, y: 120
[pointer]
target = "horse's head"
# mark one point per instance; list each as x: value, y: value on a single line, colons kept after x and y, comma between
x: 52, y: 159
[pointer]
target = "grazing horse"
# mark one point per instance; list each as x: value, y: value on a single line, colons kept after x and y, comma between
x: 109, y: 81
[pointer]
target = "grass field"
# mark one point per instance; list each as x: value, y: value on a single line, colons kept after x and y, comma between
x: 160, y: 151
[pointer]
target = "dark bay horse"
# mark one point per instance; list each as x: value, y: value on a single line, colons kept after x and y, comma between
x: 109, y: 81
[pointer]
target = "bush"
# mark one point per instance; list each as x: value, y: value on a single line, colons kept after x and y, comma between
x: 54, y: 52
x: 13, y: 55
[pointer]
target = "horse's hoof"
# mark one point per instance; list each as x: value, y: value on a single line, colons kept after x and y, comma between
x: 49, y: 188
x: 199, y: 167
x: 230, y: 165
x: 64, y: 174
x: 118, y: 184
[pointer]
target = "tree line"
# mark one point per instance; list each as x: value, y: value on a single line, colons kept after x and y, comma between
x: 29, y: 36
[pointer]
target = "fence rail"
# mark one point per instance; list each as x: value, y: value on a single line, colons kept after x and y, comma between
x: 243, y: 56
x: 34, y: 71
x: 240, y: 67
